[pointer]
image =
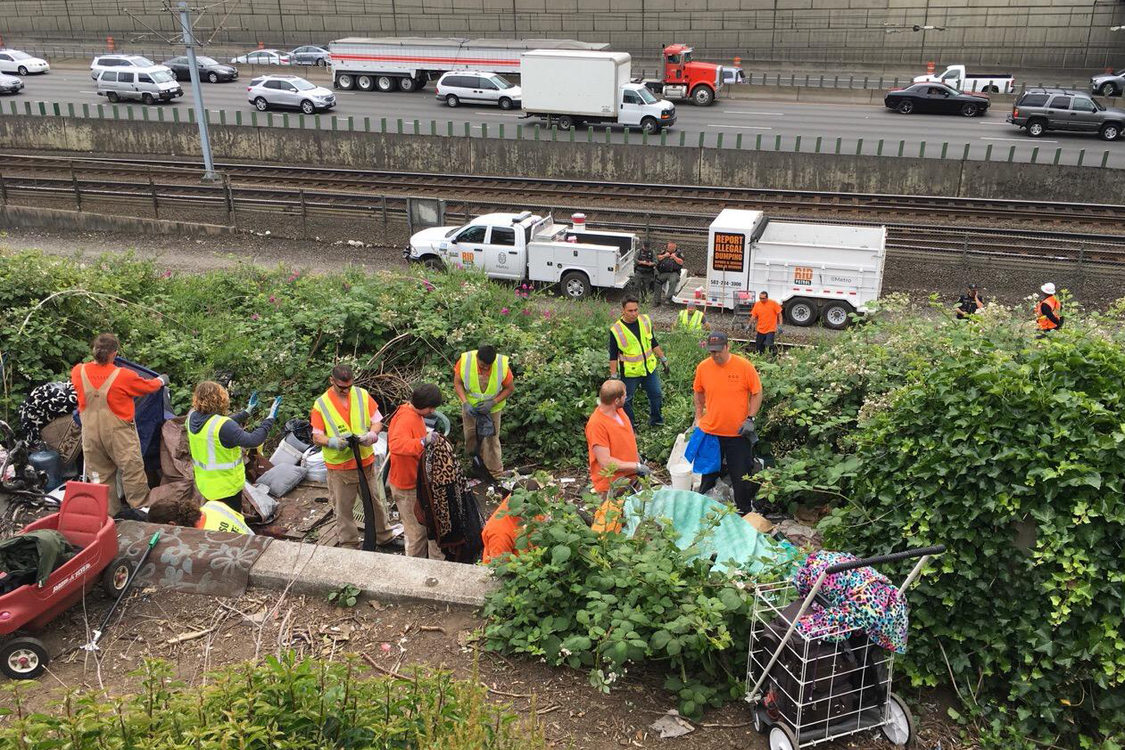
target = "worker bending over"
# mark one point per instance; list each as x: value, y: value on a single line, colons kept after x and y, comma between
x: 612, y: 451
x: 109, y: 435
x: 483, y: 382
x: 216, y: 442
x: 633, y: 346
x: 407, y: 439
x: 346, y: 412
x: 213, y: 515
x: 500, y: 532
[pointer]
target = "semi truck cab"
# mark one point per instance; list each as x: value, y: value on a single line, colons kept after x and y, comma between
x: 684, y: 78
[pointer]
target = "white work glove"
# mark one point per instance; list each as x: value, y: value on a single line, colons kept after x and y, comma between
x: 164, y: 379
x: 747, y: 429
x: 368, y: 438
x: 339, y: 443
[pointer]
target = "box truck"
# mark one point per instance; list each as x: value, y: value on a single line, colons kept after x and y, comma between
x: 569, y: 88
x: 816, y: 271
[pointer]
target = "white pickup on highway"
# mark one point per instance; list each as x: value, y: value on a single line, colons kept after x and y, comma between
x: 962, y: 80
x: 826, y: 271
x: 526, y: 247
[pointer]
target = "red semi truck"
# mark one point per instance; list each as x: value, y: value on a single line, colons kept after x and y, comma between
x: 684, y: 78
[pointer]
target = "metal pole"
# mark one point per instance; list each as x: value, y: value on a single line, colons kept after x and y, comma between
x: 197, y: 94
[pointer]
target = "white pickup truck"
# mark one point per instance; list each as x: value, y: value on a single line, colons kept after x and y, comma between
x: 962, y: 80
x: 526, y: 247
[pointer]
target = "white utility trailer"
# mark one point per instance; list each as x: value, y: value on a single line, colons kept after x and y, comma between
x: 825, y: 271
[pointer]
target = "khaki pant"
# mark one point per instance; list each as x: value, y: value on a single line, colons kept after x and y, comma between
x: 490, y: 451
x: 417, y: 542
x: 343, y: 489
x: 110, y: 445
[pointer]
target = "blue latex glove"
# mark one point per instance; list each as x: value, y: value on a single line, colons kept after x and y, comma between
x: 274, y: 408
x: 252, y: 404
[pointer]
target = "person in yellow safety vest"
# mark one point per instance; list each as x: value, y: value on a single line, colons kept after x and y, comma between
x: 212, y: 516
x: 344, y: 411
x: 483, y: 382
x: 1047, y: 316
x: 216, y: 442
x: 692, y: 319
x: 633, y: 354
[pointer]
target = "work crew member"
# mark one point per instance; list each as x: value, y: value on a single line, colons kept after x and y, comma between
x: 109, y: 436
x: 407, y: 439
x: 728, y: 394
x: 1047, y: 310
x: 212, y: 516
x: 345, y: 411
x: 763, y: 317
x: 216, y: 442
x: 633, y: 344
x: 668, y: 266
x: 483, y: 382
x: 969, y: 303
x: 612, y: 451
x: 500, y: 531
x: 691, y: 319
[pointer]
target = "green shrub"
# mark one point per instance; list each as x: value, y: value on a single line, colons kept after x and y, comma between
x: 283, y: 704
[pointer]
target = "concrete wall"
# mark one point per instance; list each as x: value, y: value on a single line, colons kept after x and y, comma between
x: 610, y: 162
x: 1031, y: 33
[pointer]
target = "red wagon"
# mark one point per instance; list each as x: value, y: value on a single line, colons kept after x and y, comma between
x: 83, y: 520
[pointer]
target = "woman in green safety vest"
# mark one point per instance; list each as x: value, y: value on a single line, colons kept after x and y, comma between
x: 216, y: 442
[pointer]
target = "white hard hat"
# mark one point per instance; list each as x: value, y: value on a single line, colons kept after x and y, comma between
x: 1047, y: 288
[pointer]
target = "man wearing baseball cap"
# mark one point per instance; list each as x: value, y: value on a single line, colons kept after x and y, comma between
x: 1047, y: 309
x: 969, y: 303
x: 728, y: 394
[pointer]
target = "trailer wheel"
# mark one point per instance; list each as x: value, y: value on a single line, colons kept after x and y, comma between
x: 702, y: 96
x: 575, y: 285
x: 837, y: 316
x: 345, y: 81
x: 566, y: 122
x: 650, y: 125
x: 407, y: 84
x: 899, y: 722
x: 115, y: 577
x: 800, y: 312
x: 782, y: 738
x: 24, y: 658
x: 385, y: 83
x: 365, y: 83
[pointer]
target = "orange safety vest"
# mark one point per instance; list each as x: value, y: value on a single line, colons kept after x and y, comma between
x: 1045, y: 323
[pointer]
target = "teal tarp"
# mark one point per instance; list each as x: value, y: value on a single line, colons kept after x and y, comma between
x: 732, y: 541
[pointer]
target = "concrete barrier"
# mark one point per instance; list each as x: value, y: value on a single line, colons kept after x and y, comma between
x: 38, y: 217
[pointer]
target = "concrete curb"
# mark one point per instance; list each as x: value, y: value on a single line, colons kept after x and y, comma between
x: 29, y: 217
x: 313, y: 569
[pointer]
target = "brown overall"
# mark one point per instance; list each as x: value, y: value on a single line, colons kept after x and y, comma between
x: 110, y: 444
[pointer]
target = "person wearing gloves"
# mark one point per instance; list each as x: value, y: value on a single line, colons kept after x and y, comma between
x: 1047, y: 309
x: 109, y: 435
x: 216, y: 442
x: 728, y: 395
x: 613, y: 456
x: 483, y: 382
x: 407, y: 439
x: 633, y: 346
x: 343, y: 412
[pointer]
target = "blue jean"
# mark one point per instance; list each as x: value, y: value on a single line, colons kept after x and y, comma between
x: 764, y: 341
x: 651, y: 383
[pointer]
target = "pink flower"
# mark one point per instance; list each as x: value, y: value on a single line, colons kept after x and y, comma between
x: 255, y: 316
x: 504, y: 311
x: 166, y: 275
x: 294, y: 276
x: 273, y: 300
x: 526, y: 311
x: 546, y: 313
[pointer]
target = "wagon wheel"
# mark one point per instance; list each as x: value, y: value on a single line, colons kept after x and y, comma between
x: 116, y: 576
x: 24, y: 658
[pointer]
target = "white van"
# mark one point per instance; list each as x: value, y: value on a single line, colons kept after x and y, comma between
x: 148, y: 85
x: 476, y: 87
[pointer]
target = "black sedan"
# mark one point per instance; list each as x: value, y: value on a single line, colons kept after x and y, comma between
x: 210, y: 69
x: 935, y: 98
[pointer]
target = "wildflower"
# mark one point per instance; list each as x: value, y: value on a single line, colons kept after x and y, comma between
x: 273, y: 300
x: 504, y: 311
x: 294, y: 276
x: 546, y: 313
x: 166, y: 275
x: 255, y: 316
x: 526, y: 311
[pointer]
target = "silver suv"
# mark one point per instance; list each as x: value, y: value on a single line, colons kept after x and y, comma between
x: 292, y: 92
x: 1108, y: 84
x: 1040, y: 110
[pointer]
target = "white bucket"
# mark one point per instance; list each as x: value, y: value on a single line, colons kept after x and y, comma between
x: 681, y: 476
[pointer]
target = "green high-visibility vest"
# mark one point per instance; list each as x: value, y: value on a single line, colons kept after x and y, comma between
x: 691, y: 320
x: 637, y: 355
x: 219, y: 471
x: 218, y: 516
x: 470, y: 379
x: 335, y: 425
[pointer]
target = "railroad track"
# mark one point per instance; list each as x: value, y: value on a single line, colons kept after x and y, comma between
x: 326, y: 181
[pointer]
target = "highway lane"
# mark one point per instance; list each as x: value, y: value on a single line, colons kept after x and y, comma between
x: 757, y: 120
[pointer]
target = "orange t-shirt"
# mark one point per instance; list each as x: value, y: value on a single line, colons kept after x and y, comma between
x: 344, y: 408
x: 125, y: 388
x: 499, y: 533
x: 768, y: 313
x: 726, y: 391
x: 618, y: 437
x: 404, y: 442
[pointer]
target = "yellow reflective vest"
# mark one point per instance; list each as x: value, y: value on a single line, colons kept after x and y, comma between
x: 218, y: 516
x: 637, y: 355
x: 470, y: 379
x: 691, y: 320
x: 335, y: 425
x: 219, y: 471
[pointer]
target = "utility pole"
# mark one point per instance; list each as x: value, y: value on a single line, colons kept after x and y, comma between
x: 197, y: 94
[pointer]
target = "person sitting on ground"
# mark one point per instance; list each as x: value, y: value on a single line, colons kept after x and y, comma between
x: 214, y: 515
x: 500, y: 531
x: 968, y: 303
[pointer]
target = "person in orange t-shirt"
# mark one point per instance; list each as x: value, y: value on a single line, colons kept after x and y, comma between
x: 728, y: 395
x: 764, y: 315
x: 500, y: 532
x: 109, y: 436
x: 612, y: 448
x: 407, y: 439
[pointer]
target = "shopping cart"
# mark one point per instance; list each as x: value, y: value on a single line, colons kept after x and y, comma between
x: 806, y: 690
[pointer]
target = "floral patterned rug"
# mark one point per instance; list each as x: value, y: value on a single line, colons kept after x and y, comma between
x: 214, y: 563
